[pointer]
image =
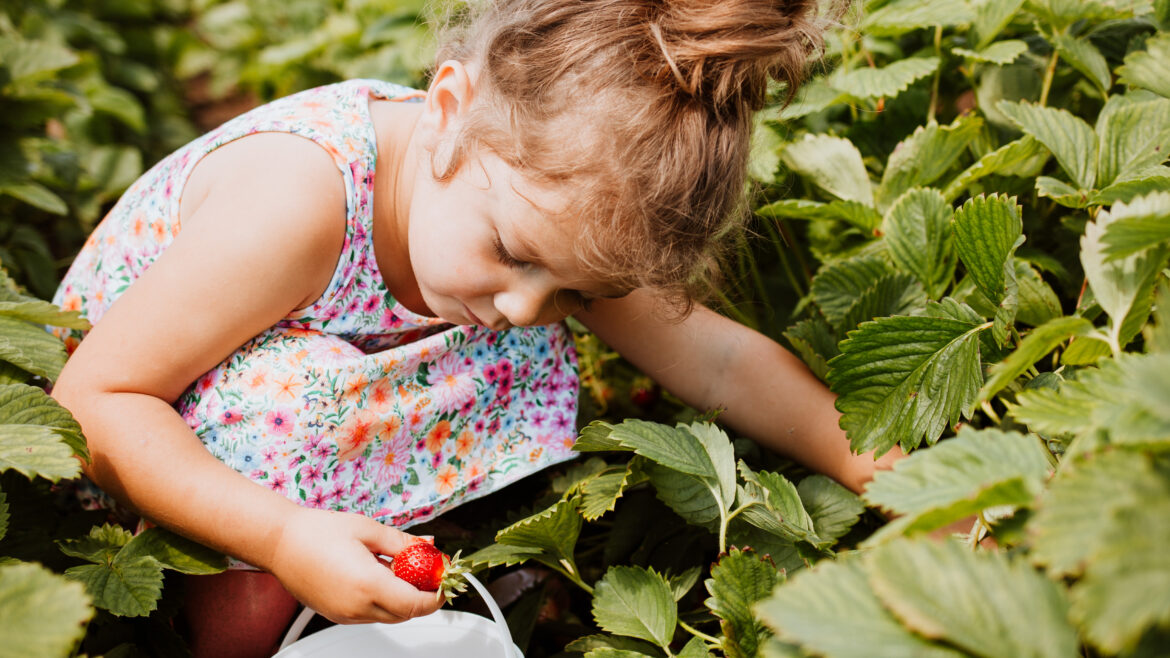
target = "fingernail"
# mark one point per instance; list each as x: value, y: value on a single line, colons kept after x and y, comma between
x: 430, y: 539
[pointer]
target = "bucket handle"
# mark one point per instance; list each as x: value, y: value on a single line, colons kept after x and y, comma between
x: 505, y: 636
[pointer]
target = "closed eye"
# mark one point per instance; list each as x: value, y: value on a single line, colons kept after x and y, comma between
x: 505, y: 257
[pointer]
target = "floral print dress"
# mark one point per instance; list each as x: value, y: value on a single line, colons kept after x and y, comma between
x: 354, y: 403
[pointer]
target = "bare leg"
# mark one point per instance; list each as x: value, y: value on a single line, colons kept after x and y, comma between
x: 236, y: 614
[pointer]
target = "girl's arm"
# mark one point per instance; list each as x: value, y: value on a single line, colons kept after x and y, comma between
x: 711, y: 362
x: 260, y: 239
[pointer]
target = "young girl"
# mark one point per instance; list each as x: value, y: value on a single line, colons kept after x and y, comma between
x: 340, y: 313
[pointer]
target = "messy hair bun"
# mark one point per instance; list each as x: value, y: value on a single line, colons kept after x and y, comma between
x: 644, y: 105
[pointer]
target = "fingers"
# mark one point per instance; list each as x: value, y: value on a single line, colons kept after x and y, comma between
x: 384, y: 540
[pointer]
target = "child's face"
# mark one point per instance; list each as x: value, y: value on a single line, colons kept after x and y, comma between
x: 487, y: 249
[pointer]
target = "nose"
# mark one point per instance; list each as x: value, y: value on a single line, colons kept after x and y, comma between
x: 531, y: 305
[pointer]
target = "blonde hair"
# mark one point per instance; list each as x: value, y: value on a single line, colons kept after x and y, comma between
x: 644, y: 107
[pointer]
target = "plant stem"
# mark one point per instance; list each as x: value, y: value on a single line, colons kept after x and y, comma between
x: 1048, y: 75
x: 570, y: 572
x: 699, y: 634
x: 930, y: 112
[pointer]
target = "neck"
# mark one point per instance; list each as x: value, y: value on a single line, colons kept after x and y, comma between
x: 399, y: 157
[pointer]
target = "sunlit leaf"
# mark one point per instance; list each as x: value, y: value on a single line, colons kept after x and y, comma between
x: 780, y: 510
x: 601, y: 493
x: 983, y: 603
x: 597, y: 436
x: 1066, y: 135
x: 175, y: 552
x: 31, y: 348
x: 637, y: 603
x: 554, y: 531
x: 1038, y: 301
x: 99, y: 546
x: 1086, y: 58
x: 1108, y: 519
x: 1037, y: 343
x: 839, y: 284
x: 36, y: 450
x: 1023, y: 157
x: 1129, y: 190
x: 886, y: 81
x: 833, y: 164
x: 690, y: 496
x: 1117, y: 283
x: 497, y: 555
x: 29, y: 406
x: 29, y: 59
x: 590, y: 643
x: 1063, y: 193
x: 42, y: 312
x: 991, y: 17
x: 924, y: 156
x: 127, y: 587
x: 1000, y: 52
x: 893, y: 294
x: 1133, y: 135
x: 903, y: 16
x: 1137, y: 226
x: 1149, y: 68
x: 696, y: 647
x: 36, y: 195
x: 814, y: 607
x: 738, y: 580
x: 1060, y: 14
x: 918, y: 233
x: 814, y: 96
x: 904, y: 380
x: 41, y: 613
x: 958, y: 478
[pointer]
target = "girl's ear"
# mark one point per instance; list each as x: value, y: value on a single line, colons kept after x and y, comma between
x: 449, y: 96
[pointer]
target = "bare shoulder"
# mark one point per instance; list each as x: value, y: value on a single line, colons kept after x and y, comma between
x: 278, y: 189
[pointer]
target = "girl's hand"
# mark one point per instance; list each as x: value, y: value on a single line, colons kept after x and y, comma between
x: 329, y: 561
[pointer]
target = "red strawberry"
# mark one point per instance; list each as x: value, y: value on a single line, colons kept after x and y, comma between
x: 429, y: 569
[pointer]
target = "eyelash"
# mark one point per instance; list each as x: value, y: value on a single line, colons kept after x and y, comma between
x: 505, y: 257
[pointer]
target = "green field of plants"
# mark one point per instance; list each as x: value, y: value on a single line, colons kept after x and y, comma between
x: 961, y: 224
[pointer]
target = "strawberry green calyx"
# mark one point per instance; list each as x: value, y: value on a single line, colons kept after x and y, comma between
x: 453, y: 582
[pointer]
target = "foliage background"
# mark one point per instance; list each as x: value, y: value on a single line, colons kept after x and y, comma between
x: 962, y: 225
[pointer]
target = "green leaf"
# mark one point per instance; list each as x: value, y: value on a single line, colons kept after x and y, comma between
x: 175, y: 552
x: 42, y: 312
x: 30, y: 59
x: 1070, y: 139
x: 1106, y: 518
x: 814, y: 341
x: 34, y: 450
x: 1129, y: 190
x: 1038, y: 302
x: 699, y: 449
x: 4, y: 515
x: 1117, y: 282
x: 862, y: 216
x: 1133, y: 136
x: 737, y: 582
x: 1039, y: 342
x: 600, y: 494
x: 554, y: 531
x: 905, y: 380
x: 958, y: 478
x: 1023, y: 157
x: 127, y: 587
x: 982, y: 603
x: 1063, y: 193
x: 833, y: 508
x: 637, y: 603
x: 924, y: 156
x: 988, y: 230
x: 814, y: 607
x: 918, y: 233
x: 36, y: 195
x: 30, y: 347
x: 886, y: 81
x: 1137, y: 226
x: 893, y: 294
x: 1061, y: 14
x: 838, y: 284
x: 814, y: 96
x: 778, y: 508
x: 764, y: 157
x: 999, y: 53
x: 41, y: 613
x: 903, y: 16
x: 597, y: 436
x: 1086, y: 58
x: 592, y: 643
x: 991, y: 17
x: 695, y: 648
x: 497, y: 555
x: 690, y: 496
x: 1149, y: 68
x: 23, y: 405
x: 831, y: 163
x: 100, y: 546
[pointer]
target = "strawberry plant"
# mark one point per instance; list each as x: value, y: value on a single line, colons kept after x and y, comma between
x: 970, y: 213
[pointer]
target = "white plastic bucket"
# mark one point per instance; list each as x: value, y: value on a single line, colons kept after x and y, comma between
x: 443, y: 634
